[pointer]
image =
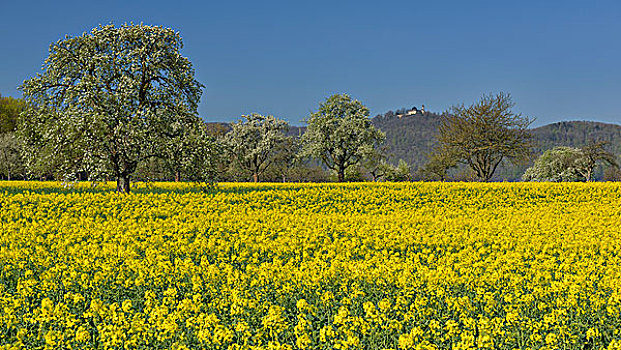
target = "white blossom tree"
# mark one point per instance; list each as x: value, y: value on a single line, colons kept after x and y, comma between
x: 107, y: 100
x: 254, y: 142
x: 340, y: 134
x: 556, y: 164
x: 570, y: 164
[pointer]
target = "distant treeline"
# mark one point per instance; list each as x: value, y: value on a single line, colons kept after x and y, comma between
x: 413, y: 138
x: 410, y: 139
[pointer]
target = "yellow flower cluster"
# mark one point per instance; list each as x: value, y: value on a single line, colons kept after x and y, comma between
x: 311, y: 266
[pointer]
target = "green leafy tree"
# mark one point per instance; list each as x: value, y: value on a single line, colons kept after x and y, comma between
x: 189, y: 152
x: 286, y: 157
x: 152, y: 169
x: 10, y: 159
x: 401, y: 172
x: 10, y: 109
x: 254, y: 142
x: 557, y: 164
x: 107, y: 100
x: 354, y: 174
x: 486, y: 133
x: 441, y: 160
x: 340, y: 134
x: 201, y: 156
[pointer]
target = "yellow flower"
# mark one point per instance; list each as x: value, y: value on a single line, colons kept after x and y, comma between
x: 127, y: 306
x: 347, y: 266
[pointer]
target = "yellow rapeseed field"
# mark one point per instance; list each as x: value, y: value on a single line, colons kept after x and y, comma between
x: 311, y: 266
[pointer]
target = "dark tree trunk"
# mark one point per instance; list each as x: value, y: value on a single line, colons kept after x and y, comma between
x: 341, y: 174
x: 177, y: 176
x: 122, y: 184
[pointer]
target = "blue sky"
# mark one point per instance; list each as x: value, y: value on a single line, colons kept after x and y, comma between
x: 560, y: 60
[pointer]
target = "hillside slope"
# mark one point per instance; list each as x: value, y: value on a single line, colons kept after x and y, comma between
x: 411, y: 138
x: 577, y: 134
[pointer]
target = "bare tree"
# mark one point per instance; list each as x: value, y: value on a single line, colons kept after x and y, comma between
x: 486, y: 133
x: 593, y: 153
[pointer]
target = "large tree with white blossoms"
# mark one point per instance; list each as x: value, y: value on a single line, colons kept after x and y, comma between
x: 108, y: 100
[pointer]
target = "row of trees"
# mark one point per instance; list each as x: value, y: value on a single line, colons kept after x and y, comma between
x: 259, y: 145
x: 116, y: 100
x: 339, y: 137
x: 117, y: 103
x: 488, y: 133
x: 339, y: 144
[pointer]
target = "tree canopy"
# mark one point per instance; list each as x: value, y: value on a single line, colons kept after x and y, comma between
x: 10, y: 161
x: 107, y: 100
x: 340, y: 134
x: 486, y: 133
x: 592, y: 154
x: 254, y: 142
x: 10, y: 109
x: 556, y: 164
x: 439, y: 163
x: 570, y: 163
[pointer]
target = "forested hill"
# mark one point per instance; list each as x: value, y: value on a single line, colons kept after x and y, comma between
x: 411, y: 138
x: 577, y: 134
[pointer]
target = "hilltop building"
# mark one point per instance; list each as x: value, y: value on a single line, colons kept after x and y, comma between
x: 412, y: 112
